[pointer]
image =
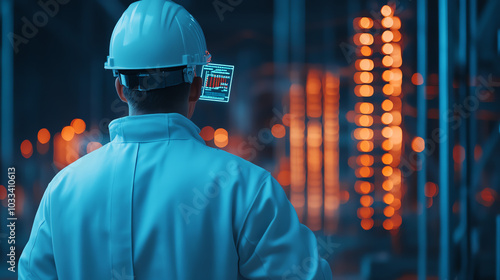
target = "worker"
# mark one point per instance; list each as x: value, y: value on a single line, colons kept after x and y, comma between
x: 156, y: 202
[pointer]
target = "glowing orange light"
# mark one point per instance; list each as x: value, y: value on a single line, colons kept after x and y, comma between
x: 207, y: 133
x: 366, y: 39
x: 363, y: 133
x: 387, y: 145
x: 363, y: 77
x: 389, y: 211
x: 284, y: 177
x: 396, y: 36
x: 365, y: 212
x: 278, y: 131
x: 417, y: 79
x: 387, y: 22
x: 387, y: 159
x: 367, y: 224
x: 396, y: 220
x: 221, y: 138
x: 364, y: 172
x: 388, y: 198
x: 78, y: 126
x: 387, y: 61
x: 487, y: 197
x: 418, y: 144
x: 92, y: 146
x: 387, y: 36
x: 387, y: 75
x: 365, y: 51
x: 366, y: 200
x: 431, y: 189
x: 387, y: 105
x: 387, y: 118
x: 388, y: 185
x: 396, y: 23
x: 386, y: 11
x: 365, y: 146
x: 364, y: 64
x: 387, y: 48
x: 364, y: 120
x: 387, y: 171
x: 363, y: 187
x: 388, y: 225
x: 388, y: 89
x: 365, y: 108
x: 43, y: 136
x: 365, y: 160
x: 26, y: 149
x: 387, y: 132
x: 363, y: 90
x: 365, y: 22
x: 67, y: 133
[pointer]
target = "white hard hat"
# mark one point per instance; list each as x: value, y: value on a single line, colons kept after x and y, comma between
x: 155, y: 34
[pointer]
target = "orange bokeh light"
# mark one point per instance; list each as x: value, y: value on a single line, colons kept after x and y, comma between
x: 367, y: 224
x: 387, y: 48
x: 365, y: 51
x: 387, y: 159
x: 389, y: 211
x: 278, y: 131
x: 364, y: 120
x: 207, y: 133
x: 366, y: 200
x: 67, y: 133
x: 387, y: 118
x: 388, y: 89
x: 366, y: 39
x: 387, y: 145
x: 386, y: 10
x: 388, y: 198
x: 221, y: 138
x: 387, y: 185
x: 417, y: 79
x: 418, y: 144
x: 387, y: 171
x: 26, y: 149
x: 387, y: 105
x: 364, y: 64
x: 43, y: 136
x: 431, y: 189
x: 365, y: 23
x: 365, y: 108
x: 387, y: 22
x: 78, y: 126
x: 365, y: 212
x: 387, y: 36
x: 365, y: 146
x: 388, y: 225
x: 387, y: 61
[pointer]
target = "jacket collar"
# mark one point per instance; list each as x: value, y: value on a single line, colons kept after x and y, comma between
x: 153, y: 127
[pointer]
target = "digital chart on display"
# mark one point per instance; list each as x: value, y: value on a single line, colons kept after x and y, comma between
x: 217, y: 80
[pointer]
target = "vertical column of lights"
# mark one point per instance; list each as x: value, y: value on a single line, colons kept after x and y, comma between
x: 331, y: 151
x: 391, y: 118
x: 364, y: 119
x: 297, y: 153
x: 314, y: 152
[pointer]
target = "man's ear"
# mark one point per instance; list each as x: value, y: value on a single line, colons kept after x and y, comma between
x: 194, y: 95
x: 195, y: 91
x: 119, y: 90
